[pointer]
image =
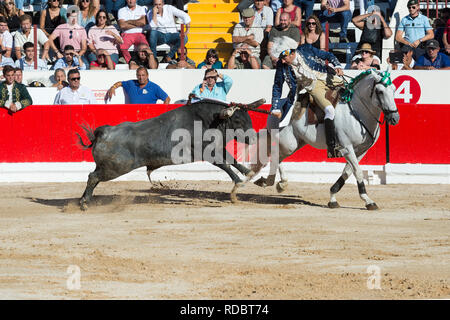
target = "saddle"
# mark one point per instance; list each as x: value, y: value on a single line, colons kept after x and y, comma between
x: 315, y: 114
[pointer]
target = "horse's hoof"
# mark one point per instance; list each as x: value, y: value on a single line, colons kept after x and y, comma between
x: 372, y: 206
x: 270, y: 180
x: 261, y: 182
x: 281, y: 186
x: 333, y: 205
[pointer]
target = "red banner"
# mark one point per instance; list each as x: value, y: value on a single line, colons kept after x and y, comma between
x: 47, y: 133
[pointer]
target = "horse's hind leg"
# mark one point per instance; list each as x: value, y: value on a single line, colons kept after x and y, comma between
x: 353, y: 161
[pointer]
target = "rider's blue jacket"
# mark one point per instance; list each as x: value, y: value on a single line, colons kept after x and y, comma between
x: 316, y: 60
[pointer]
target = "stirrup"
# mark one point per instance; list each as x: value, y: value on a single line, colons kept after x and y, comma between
x: 334, y: 153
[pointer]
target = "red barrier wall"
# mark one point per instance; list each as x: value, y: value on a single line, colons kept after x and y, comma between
x: 47, y: 133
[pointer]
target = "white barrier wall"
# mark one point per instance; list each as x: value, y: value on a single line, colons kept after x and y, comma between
x: 430, y: 87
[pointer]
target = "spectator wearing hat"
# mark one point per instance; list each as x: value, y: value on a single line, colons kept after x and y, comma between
x: 368, y: 58
x: 407, y: 60
x: 247, y: 35
x: 414, y: 29
x: 212, y: 89
x: 75, y: 93
x: 70, y: 33
x: 13, y: 96
x: 374, y: 28
x: 433, y: 59
x: 26, y: 63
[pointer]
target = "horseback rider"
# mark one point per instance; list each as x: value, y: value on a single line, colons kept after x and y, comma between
x: 304, y: 67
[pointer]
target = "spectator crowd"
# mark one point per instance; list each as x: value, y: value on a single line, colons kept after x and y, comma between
x: 92, y: 35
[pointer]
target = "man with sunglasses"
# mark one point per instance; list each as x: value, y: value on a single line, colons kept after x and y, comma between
x: 75, y: 93
x: 414, y: 30
x: 70, y: 60
x: 210, y: 89
x: 433, y: 59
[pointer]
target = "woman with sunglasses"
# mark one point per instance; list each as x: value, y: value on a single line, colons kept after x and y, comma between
x: 9, y: 10
x: 103, y: 36
x: 88, y: 13
x: 368, y: 58
x: 294, y: 12
x: 211, y: 61
x: 52, y: 17
x: 313, y: 33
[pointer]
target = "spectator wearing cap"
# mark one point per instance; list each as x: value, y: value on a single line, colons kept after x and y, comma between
x: 26, y: 63
x: 143, y: 57
x: 433, y: 59
x: 141, y: 90
x: 414, y: 29
x: 374, y: 28
x: 24, y: 34
x: 212, y: 89
x: 367, y: 56
x: 70, y: 33
x: 211, y: 61
x: 70, y: 60
x: 164, y: 30
x: 13, y: 96
x: 75, y: 93
x: 336, y: 11
x: 103, y: 62
x: 407, y: 60
x: 131, y: 22
x: 247, y: 35
x: 6, y: 39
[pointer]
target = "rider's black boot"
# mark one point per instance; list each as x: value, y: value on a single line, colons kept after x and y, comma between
x: 331, y: 140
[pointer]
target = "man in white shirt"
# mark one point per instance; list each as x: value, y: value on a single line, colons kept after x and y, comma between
x: 6, y: 39
x: 25, y: 34
x: 164, y: 30
x: 26, y: 63
x: 131, y: 21
x: 74, y: 93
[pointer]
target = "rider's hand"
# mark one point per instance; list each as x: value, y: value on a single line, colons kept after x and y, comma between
x: 339, y: 72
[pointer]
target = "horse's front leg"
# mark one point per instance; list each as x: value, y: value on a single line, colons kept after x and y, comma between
x: 353, y: 161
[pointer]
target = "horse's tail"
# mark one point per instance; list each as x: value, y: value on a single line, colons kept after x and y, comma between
x: 90, y: 135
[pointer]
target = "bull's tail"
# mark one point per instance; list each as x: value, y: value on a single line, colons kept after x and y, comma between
x: 89, y: 133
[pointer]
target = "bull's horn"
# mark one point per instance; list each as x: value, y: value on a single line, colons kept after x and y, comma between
x: 257, y: 103
x: 227, y: 112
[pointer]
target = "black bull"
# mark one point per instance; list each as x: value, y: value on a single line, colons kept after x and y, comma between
x: 120, y: 149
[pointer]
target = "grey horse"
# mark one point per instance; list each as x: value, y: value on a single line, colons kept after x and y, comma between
x: 357, y: 129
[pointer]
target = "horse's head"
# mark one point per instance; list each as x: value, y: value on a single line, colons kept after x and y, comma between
x: 382, y: 96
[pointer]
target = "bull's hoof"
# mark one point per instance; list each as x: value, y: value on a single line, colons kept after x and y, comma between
x: 250, y: 175
x: 83, y: 205
x: 261, y: 182
x: 270, y: 180
x: 333, y: 205
x: 282, y: 186
x: 372, y: 206
x: 233, y: 196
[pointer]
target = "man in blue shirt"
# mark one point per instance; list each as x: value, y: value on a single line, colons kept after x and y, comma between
x: 209, y: 88
x: 433, y: 59
x: 71, y: 60
x: 414, y: 29
x: 140, y: 91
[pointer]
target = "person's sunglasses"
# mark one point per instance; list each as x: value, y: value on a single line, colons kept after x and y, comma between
x: 211, y: 77
x: 310, y: 23
x: 365, y: 51
x: 70, y: 34
x: 68, y: 53
x: 54, y: 1
x: 10, y: 4
x: 412, y: 7
x: 85, y: 0
x: 102, y: 17
x: 74, y: 79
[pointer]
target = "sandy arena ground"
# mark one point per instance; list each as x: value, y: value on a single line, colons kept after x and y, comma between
x: 185, y: 240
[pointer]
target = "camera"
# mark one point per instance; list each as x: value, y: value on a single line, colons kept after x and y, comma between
x: 396, y: 57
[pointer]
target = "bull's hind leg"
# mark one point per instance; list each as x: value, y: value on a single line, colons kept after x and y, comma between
x: 353, y: 162
x: 92, y: 182
x: 237, y: 181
